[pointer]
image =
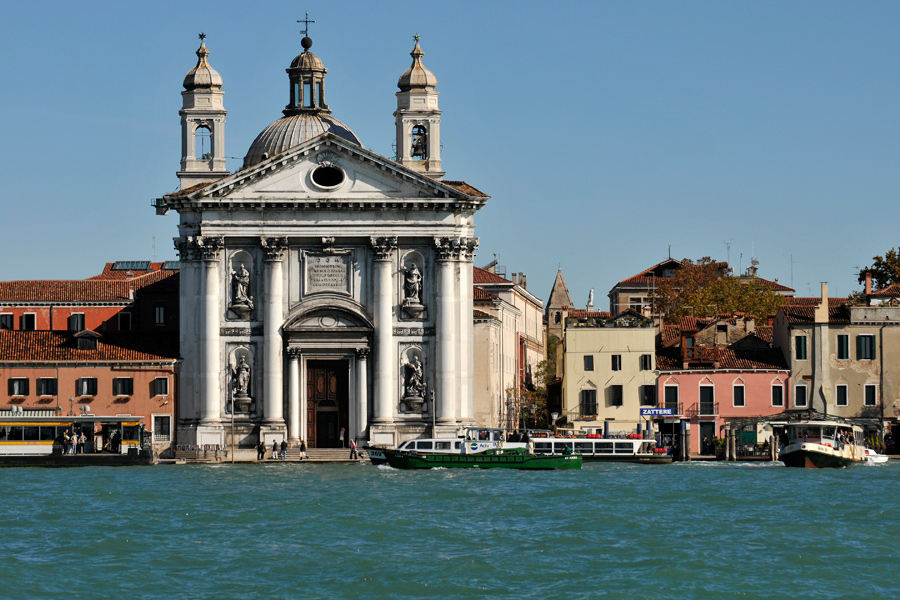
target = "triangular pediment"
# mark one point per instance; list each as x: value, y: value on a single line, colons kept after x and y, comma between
x: 328, y: 169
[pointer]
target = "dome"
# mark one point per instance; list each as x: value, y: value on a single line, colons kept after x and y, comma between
x: 203, y: 76
x: 290, y: 131
x: 307, y: 60
x: 417, y: 77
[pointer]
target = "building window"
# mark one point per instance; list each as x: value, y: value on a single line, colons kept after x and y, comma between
x: 86, y: 386
x: 161, y: 386
x: 777, y: 395
x: 76, y: 322
x: 17, y: 386
x: 615, y: 395
x: 124, y: 321
x: 646, y: 362
x: 616, y: 362
x: 841, y: 395
x: 800, y: 396
x: 123, y: 386
x: 671, y: 397
x: 28, y: 322
x: 46, y: 386
x: 800, y: 347
x: 739, y: 396
x: 6, y: 321
x: 159, y: 314
x: 588, y: 402
x: 648, y: 395
x: 865, y: 347
x: 843, y: 347
x: 202, y: 143
x: 162, y: 428
x: 589, y: 363
x: 871, y: 395
x: 707, y: 400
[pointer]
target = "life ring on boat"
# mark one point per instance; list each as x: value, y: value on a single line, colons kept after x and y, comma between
x: 827, y: 444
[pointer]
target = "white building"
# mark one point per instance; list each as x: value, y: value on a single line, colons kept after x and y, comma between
x: 324, y: 288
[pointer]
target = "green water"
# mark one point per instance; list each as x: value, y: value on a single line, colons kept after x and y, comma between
x: 273, y: 531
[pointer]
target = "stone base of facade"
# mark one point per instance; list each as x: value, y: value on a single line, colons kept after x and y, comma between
x: 191, y: 433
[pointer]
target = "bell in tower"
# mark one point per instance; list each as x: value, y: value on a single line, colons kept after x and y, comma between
x: 418, y: 118
x: 202, y: 124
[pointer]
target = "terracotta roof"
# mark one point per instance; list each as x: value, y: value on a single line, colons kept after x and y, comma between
x: 465, y: 188
x: 479, y: 314
x: 815, y: 301
x: 481, y: 294
x: 807, y: 314
x: 192, y: 189
x: 670, y: 334
x: 482, y: 276
x: 95, y: 289
x: 647, y: 277
x: 670, y: 359
x: 55, y: 346
x: 772, y: 285
x: 579, y: 313
x: 766, y: 333
x: 891, y: 291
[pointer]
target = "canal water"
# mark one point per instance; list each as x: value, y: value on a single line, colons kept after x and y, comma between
x: 699, y: 530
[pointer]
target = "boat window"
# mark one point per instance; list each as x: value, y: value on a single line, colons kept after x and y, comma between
x: 604, y: 448
x: 647, y: 447
x: 442, y: 445
x: 131, y: 433
x: 424, y: 445
x: 624, y: 448
x: 48, y: 433
x: 584, y: 447
x: 405, y: 445
x: 543, y: 447
x: 456, y: 445
x: 32, y: 433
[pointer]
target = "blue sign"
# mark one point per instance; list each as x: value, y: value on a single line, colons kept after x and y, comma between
x: 657, y: 412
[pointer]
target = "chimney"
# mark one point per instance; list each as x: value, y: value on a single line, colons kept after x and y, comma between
x: 868, y: 282
x: 821, y: 314
x: 750, y: 324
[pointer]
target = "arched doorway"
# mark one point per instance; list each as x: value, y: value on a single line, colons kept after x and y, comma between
x: 327, y: 403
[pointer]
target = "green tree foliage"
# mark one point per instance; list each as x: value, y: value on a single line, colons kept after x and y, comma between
x: 699, y: 290
x: 885, y: 269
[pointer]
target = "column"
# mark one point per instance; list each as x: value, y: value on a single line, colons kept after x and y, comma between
x: 294, y: 408
x: 273, y: 396
x: 210, y: 250
x: 385, y: 392
x: 362, y: 393
x: 188, y: 332
x: 447, y: 249
x: 466, y: 330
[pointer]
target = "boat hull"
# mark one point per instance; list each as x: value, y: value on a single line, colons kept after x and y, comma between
x: 661, y: 459
x: 376, y: 455
x: 813, y: 459
x: 482, y: 460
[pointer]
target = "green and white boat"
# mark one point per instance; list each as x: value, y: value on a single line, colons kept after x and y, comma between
x: 498, y: 458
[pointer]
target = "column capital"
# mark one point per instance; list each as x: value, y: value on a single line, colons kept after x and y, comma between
x: 467, y: 249
x: 205, y: 247
x: 362, y: 353
x: 447, y: 248
x: 293, y: 353
x: 383, y: 247
x: 273, y: 247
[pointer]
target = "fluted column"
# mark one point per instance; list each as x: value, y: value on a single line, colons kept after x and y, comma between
x: 466, y: 330
x: 273, y: 396
x: 188, y: 328
x: 447, y: 249
x: 362, y: 393
x: 294, y: 408
x: 210, y: 250
x: 385, y: 392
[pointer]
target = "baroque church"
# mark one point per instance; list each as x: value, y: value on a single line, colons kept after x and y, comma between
x: 326, y: 291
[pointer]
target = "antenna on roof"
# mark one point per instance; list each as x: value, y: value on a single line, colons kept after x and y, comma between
x: 728, y: 253
x: 670, y: 251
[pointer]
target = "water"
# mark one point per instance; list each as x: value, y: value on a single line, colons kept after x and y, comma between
x: 699, y: 530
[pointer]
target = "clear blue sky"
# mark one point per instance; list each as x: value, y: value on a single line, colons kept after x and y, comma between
x: 604, y: 131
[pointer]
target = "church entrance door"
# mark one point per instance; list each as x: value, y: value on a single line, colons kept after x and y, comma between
x: 327, y: 402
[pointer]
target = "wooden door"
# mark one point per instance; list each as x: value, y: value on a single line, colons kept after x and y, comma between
x: 326, y: 402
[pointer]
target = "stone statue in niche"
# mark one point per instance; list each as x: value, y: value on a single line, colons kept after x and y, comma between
x: 414, y: 386
x: 240, y: 386
x: 412, y: 292
x: 241, y: 301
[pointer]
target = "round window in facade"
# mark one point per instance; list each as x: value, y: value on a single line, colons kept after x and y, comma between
x: 328, y: 176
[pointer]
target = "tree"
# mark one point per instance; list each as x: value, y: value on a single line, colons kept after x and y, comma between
x: 885, y: 269
x: 672, y: 292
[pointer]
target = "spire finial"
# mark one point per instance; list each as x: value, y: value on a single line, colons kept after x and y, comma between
x: 417, y: 37
x: 202, y: 36
x: 306, y: 22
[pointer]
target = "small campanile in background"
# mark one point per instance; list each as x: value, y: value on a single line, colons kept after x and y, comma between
x: 202, y: 124
x: 418, y: 118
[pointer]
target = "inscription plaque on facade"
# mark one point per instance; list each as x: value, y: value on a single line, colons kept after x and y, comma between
x: 328, y: 273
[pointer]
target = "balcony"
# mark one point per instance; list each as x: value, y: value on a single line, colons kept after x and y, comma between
x: 704, y: 409
x: 677, y: 408
x: 699, y: 354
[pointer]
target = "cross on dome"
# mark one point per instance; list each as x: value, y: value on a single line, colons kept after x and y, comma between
x: 306, y: 22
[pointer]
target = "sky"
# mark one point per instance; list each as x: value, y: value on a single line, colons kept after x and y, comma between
x: 609, y: 135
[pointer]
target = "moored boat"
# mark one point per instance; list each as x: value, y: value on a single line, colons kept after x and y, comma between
x: 631, y: 449
x: 496, y: 458
x: 820, y: 444
x: 473, y: 440
x: 873, y: 458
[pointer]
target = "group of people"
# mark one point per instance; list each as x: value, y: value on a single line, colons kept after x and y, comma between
x: 279, y: 451
x: 73, y: 443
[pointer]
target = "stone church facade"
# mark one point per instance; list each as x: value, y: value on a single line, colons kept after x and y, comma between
x: 325, y: 289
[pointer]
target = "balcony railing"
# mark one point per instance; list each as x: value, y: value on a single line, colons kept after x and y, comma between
x: 703, y: 409
x: 677, y: 408
x: 701, y: 354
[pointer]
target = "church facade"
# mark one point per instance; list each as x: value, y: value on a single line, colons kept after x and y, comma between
x: 326, y: 291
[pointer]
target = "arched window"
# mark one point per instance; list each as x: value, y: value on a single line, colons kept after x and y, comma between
x: 556, y: 318
x: 419, y: 142
x: 202, y: 143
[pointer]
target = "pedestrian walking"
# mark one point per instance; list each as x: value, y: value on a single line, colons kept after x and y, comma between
x: 82, y: 440
x: 274, y: 449
x: 261, y: 450
x: 353, y: 454
x: 303, y: 455
x: 283, y: 449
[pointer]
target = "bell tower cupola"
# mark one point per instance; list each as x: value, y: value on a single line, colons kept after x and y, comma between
x: 202, y: 124
x: 418, y: 118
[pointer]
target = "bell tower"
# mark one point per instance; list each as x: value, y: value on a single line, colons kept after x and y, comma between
x: 418, y: 118
x: 202, y: 124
